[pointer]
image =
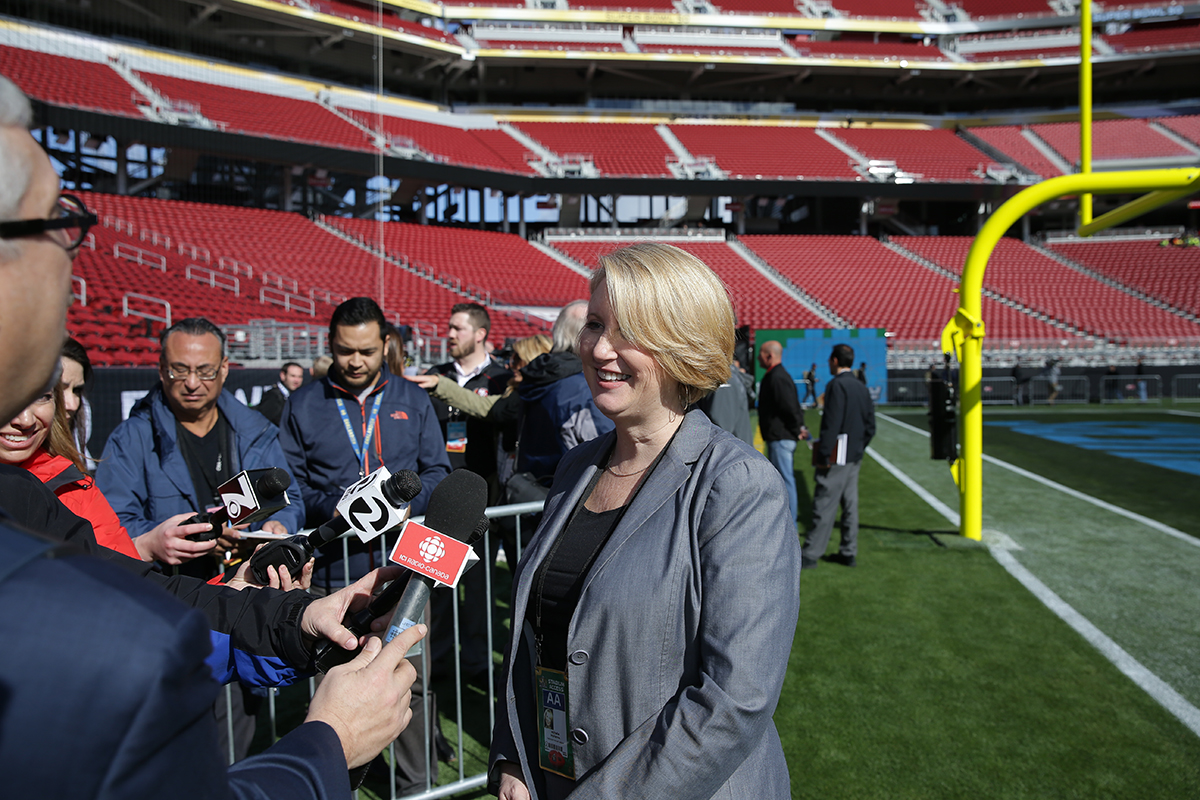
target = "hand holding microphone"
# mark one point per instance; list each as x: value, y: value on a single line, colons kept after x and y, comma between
x: 455, y: 511
x: 372, y: 506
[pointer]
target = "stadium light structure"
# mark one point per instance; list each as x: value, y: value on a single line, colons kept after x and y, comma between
x: 963, y: 335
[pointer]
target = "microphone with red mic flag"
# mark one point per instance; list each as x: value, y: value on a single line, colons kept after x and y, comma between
x: 455, y: 511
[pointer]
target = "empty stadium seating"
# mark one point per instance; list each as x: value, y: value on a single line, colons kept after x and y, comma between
x: 938, y: 155
x: 846, y: 47
x: 1170, y: 274
x: 367, y: 15
x: 563, y: 46
x: 756, y: 301
x: 1188, y: 127
x: 1005, y: 8
x: 616, y: 148
x: 1020, y: 273
x: 1160, y: 36
x: 872, y: 286
x: 710, y: 50
x: 767, y: 151
x: 507, y: 266
x: 1111, y: 138
x: 260, y: 114
x: 1009, y: 140
x: 70, y: 82
x: 290, y: 250
x: 877, y: 9
x: 486, y: 148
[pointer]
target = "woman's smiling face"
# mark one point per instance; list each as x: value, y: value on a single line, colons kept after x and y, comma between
x: 22, y: 437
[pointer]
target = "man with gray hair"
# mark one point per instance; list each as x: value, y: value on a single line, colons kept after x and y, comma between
x: 106, y: 682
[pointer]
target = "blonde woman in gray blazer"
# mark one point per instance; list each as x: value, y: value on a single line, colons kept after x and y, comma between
x: 654, y: 610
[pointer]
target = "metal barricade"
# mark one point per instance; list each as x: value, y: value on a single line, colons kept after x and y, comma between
x: 1131, y: 389
x: 1072, y: 389
x: 907, y: 392
x: 1185, y: 388
x: 999, y: 391
x: 461, y: 782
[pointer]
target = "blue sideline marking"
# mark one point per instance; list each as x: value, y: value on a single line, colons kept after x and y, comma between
x: 1174, y: 445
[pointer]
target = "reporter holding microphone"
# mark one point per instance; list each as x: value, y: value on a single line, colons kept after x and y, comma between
x: 654, y: 609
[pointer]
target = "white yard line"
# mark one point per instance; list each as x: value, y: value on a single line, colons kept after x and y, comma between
x: 1150, y: 683
x: 1067, y: 490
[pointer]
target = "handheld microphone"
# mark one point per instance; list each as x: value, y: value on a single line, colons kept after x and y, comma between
x: 455, y: 510
x: 249, y: 496
x: 411, y: 606
x: 363, y: 501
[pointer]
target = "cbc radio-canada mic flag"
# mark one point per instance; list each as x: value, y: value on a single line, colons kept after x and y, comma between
x: 436, y: 555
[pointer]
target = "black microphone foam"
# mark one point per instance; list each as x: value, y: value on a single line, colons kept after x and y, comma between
x: 481, y: 527
x: 402, y: 487
x: 274, y: 483
x: 456, y: 504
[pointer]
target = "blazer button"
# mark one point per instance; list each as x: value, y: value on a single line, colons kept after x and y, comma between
x: 579, y: 736
x: 579, y: 658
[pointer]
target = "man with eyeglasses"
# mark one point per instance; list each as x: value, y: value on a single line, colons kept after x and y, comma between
x: 181, y: 442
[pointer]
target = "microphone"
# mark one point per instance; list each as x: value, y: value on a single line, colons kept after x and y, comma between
x: 249, y: 496
x: 411, y: 606
x: 456, y: 507
x: 373, y: 503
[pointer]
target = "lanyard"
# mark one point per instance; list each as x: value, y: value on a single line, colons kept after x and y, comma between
x: 360, y: 451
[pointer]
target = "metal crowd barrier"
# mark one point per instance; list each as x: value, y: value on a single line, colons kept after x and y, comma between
x: 1131, y: 389
x: 1185, y: 388
x: 462, y: 782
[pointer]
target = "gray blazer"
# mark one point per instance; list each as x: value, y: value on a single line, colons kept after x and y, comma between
x: 680, y: 642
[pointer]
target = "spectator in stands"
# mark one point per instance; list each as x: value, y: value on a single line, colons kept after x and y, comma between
x: 320, y: 367
x: 849, y: 413
x: 291, y: 378
x: 679, y: 655
x: 105, y: 676
x: 345, y: 426
x: 780, y: 419
x: 181, y: 442
x: 76, y: 377
x: 558, y: 411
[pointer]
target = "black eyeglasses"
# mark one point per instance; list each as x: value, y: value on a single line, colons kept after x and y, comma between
x: 67, y: 228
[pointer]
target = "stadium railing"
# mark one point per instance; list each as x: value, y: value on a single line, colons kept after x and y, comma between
x: 462, y: 782
x: 1002, y: 390
x: 1131, y: 389
x: 1185, y: 388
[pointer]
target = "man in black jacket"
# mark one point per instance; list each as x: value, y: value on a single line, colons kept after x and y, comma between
x: 847, y: 427
x: 779, y: 417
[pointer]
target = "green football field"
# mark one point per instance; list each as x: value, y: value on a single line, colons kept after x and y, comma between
x: 1059, y: 658
x: 937, y: 667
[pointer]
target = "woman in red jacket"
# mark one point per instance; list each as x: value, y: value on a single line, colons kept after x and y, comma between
x: 39, y: 440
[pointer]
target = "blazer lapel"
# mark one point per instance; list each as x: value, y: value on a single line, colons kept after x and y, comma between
x: 671, y: 473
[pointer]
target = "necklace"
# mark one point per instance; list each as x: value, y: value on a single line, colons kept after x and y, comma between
x: 616, y: 474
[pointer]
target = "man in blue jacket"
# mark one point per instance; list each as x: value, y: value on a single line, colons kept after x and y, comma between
x: 358, y: 418
x: 182, y: 441
x: 345, y: 426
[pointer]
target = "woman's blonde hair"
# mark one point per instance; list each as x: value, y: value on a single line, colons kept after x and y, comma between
x: 671, y: 305
x: 531, y: 347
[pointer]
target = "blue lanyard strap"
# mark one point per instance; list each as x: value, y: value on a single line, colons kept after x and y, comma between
x: 360, y: 451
